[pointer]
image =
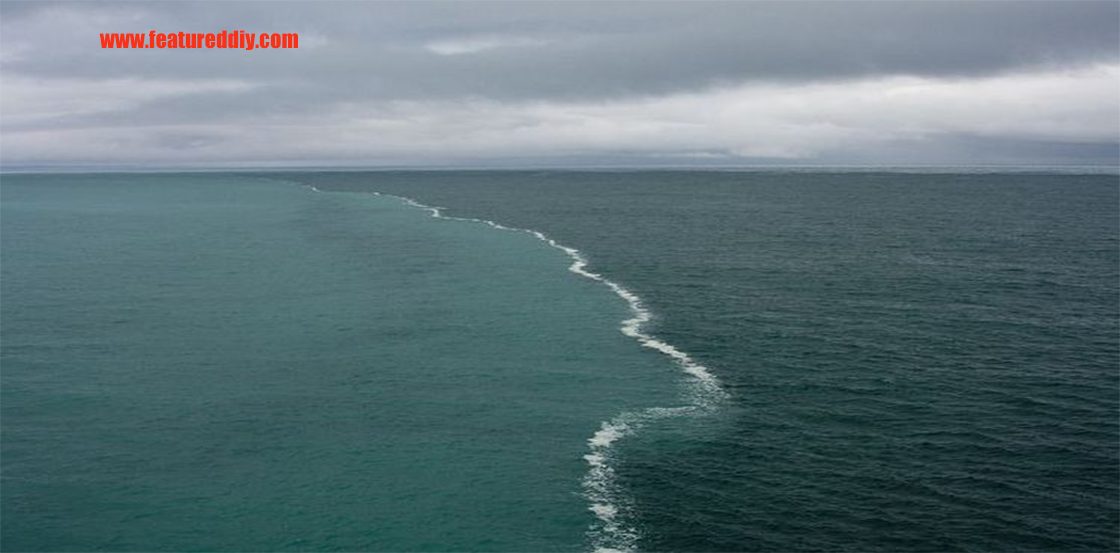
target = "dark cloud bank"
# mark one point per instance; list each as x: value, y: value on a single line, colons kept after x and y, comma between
x: 566, y: 84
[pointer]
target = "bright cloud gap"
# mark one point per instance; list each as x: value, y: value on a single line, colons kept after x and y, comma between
x: 785, y: 122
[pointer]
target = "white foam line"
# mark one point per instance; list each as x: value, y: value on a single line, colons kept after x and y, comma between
x: 611, y: 533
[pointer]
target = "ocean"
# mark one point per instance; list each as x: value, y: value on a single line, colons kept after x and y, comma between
x: 779, y: 360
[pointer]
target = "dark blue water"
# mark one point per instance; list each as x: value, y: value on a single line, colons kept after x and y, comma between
x: 921, y: 362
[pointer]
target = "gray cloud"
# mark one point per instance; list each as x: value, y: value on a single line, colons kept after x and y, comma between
x: 597, y: 77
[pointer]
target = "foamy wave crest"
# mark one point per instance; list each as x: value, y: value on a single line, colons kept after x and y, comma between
x: 612, y: 531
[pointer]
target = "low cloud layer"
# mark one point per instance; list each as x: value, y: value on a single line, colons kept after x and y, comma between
x: 561, y: 83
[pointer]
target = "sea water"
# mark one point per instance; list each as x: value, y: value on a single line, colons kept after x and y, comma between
x: 769, y: 360
x: 205, y: 362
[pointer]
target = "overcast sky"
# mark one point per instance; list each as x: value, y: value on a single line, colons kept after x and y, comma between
x: 566, y: 83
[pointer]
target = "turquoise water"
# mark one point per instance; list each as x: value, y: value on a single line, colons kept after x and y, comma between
x: 224, y: 363
x: 880, y: 361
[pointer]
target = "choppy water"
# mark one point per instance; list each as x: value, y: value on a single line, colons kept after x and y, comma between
x: 867, y: 361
